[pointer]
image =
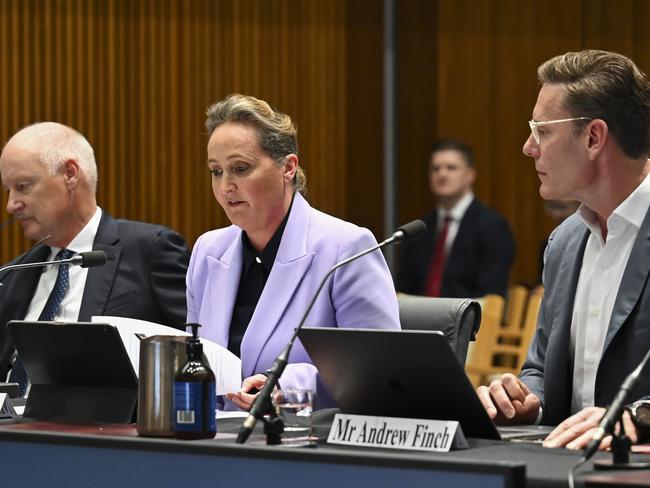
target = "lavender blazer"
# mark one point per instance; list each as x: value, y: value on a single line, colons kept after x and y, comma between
x: 360, y: 294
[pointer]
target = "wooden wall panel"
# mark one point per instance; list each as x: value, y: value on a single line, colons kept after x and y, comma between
x: 417, y: 102
x: 487, y: 53
x: 364, y: 115
x: 135, y: 77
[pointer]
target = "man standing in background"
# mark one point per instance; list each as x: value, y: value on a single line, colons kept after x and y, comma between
x: 468, y: 249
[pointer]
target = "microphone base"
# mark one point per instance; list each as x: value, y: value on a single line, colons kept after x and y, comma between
x: 608, y: 464
x: 273, y: 429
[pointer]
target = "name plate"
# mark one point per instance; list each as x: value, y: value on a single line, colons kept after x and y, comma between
x: 397, y: 433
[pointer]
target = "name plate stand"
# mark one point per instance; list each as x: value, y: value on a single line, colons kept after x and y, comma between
x: 6, y: 407
x: 397, y: 433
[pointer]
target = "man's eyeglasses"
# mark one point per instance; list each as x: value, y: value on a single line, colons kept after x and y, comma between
x: 534, y: 125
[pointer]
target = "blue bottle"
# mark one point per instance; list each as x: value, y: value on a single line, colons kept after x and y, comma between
x: 195, y: 396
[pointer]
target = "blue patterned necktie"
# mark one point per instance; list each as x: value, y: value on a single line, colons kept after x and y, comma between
x: 52, y: 306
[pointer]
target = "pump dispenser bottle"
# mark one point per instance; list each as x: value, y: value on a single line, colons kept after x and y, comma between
x: 195, y: 399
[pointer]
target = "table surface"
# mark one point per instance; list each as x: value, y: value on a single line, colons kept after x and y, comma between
x: 544, y: 467
x: 618, y: 479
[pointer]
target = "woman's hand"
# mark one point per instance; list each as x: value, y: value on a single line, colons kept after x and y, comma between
x: 245, y: 397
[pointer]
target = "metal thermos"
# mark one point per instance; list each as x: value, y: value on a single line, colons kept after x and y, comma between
x: 160, y: 358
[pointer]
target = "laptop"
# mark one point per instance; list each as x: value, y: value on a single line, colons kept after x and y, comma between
x: 78, y: 371
x: 412, y: 374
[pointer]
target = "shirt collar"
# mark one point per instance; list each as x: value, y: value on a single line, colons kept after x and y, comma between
x: 635, y: 206
x: 589, y: 217
x: 83, y: 241
x: 267, y: 256
x: 632, y: 210
x: 457, y: 211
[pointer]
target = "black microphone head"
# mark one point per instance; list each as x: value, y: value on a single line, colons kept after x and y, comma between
x: 92, y: 259
x: 410, y: 230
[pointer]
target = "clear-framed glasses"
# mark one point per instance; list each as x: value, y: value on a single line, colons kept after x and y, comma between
x: 534, y: 125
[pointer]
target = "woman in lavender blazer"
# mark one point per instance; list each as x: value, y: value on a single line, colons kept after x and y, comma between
x: 252, y: 156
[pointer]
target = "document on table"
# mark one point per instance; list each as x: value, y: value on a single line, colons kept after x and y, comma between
x: 226, y: 366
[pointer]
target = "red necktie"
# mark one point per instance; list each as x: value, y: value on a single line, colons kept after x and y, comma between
x: 437, y: 264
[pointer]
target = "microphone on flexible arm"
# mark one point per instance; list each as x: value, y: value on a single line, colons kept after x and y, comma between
x: 262, y: 403
x: 84, y: 259
x: 615, y: 409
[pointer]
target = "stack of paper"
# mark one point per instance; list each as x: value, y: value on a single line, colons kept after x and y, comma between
x: 226, y: 366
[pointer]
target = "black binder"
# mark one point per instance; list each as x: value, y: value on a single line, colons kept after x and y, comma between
x: 80, y: 372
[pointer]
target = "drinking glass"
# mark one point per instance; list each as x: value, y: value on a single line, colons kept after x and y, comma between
x: 294, y: 407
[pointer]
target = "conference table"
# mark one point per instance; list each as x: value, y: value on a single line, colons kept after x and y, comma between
x: 43, y: 453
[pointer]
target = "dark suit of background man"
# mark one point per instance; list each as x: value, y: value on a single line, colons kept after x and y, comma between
x: 49, y: 173
x: 590, y: 139
x: 468, y: 249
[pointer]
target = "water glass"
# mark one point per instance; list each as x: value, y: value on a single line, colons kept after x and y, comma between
x: 294, y: 407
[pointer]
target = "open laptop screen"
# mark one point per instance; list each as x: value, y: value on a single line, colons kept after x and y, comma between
x: 79, y: 372
x: 73, y: 354
x: 412, y: 374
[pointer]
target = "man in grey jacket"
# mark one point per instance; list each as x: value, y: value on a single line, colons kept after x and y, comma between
x: 590, y: 140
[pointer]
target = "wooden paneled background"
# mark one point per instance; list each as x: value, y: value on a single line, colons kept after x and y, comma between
x: 468, y: 70
x: 135, y: 76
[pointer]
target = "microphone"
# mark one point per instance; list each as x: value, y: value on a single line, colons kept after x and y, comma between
x: 262, y: 402
x: 615, y: 409
x: 89, y: 259
x: 409, y: 231
x: 85, y: 260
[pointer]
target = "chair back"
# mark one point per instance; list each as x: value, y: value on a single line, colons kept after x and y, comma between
x: 515, y: 306
x: 479, y: 357
x: 529, y: 327
x: 502, y: 349
x: 457, y: 318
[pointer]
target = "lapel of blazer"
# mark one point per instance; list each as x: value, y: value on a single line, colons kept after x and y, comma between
x: 99, y: 282
x: 557, y: 374
x: 291, y: 264
x: 224, y: 273
x: 16, y: 296
x: 468, y: 221
x: 465, y: 228
x: 633, y: 281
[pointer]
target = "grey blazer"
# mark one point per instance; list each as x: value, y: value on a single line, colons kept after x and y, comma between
x: 548, y: 370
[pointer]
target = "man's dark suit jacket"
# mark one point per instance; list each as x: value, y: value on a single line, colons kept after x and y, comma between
x: 479, y: 260
x: 143, y: 278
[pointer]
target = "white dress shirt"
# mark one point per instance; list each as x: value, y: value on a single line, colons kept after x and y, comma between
x: 603, y: 264
x: 69, y: 311
x: 456, y: 214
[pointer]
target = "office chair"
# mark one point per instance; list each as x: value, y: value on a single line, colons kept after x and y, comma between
x: 457, y: 318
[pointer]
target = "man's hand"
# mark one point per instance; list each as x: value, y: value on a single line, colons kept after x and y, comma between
x: 243, y: 398
x: 576, y: 431
x: 509, y: 401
